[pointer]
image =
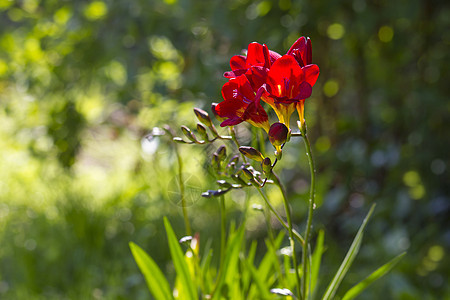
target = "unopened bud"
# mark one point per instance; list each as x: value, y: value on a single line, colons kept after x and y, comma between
x: 203, y: 116
x: 278, y: 134
x: 224, y: 184
x: 221, y: 152
x: 188, y: 133
x: 201, y: 129
x: 238, y: 180
x: 282, y: 292
x: 247, y: 173
x: 215, y: 161
x: 278, y: 154
x: 213, y: 193
x: 169, y: 130
x: 251, y: 153
x: 179, y: 140
x: 185, y: 239
x: 266, y: 165
x: 257, y: 207
x: 220, y: 192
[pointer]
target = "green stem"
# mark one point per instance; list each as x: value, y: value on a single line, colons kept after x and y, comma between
x: 310, y: 207
x: 223, y: 230
x: 272, y: 242
x: 232, y: 132
x: 183, y: 196
x: 291, y: 233
x: 282, y: 222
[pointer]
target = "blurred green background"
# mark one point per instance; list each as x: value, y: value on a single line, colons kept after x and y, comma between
x: 82, y: 82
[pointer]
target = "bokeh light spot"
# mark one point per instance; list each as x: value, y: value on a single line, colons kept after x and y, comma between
x: 284, y: 4
x: 117, y: 72
x: 436, y: 253
x: 3, y: 67
x: 385, y: 34
x: 335, y: 31
x: 96, y: 10
x: 413, y: 181
x: 263, y: 8
x: 323, y: 144
x: 62, y: 15
x: 411, y: 178
x: 331, y: 88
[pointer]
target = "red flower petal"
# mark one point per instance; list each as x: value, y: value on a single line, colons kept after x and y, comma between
x: 238, y: 88
x: 257, y: 55
x: 255, y: 114
x: 300, y: 44
x: 308, y: 59
x: 256, y: 76
x: 298, y: 50
x: 234, y: 74
x: 285, y: 77
x: 231, y: 122
x: 304, y: 91
x: 273, y: 56
x: 231, y: 108
x: 311, y: 74
x: 237, y: 62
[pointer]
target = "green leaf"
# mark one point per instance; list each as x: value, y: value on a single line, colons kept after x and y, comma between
x: 230, y: 263
x: 156, y: 282
x: 246, y: 276
x: 265, y: 267
x: 348, y: 260
x: 316, y: 260
x: 262, y: 287
x: 267, y: 272
x: 206, y: 272
x: 381, y: 271
x: 181, y: 267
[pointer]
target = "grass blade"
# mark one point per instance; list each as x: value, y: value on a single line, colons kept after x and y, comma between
x: 265, y: 267
x: 181, y: 267
x: 230, y: 261
x: 316, y: 260
x: 260, y: 284
x: 156, y: 282
x: 381, y: 271
x: 348, y: 260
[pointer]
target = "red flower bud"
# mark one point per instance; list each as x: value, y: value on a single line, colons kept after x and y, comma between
x: 278, y: 134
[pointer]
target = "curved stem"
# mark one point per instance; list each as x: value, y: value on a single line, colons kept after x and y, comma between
x: 282, y: 222
x: 232, y: 132
x: 310, y: 208
x: 182, y: 193
x: 291, y: 233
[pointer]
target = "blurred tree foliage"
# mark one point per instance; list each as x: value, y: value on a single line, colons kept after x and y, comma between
x: 81, y: 82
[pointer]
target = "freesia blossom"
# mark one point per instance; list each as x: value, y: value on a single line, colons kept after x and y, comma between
x: 283, y: 82
x: 288, y: 85
x: 242, y: 104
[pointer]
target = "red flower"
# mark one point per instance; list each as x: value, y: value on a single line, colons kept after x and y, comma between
x: 242, y: 104
x: 255, y: 65
x: 289, y: 84
x: 284, y: 82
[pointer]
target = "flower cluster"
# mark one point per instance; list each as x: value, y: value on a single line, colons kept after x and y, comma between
x: 281, y: 81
